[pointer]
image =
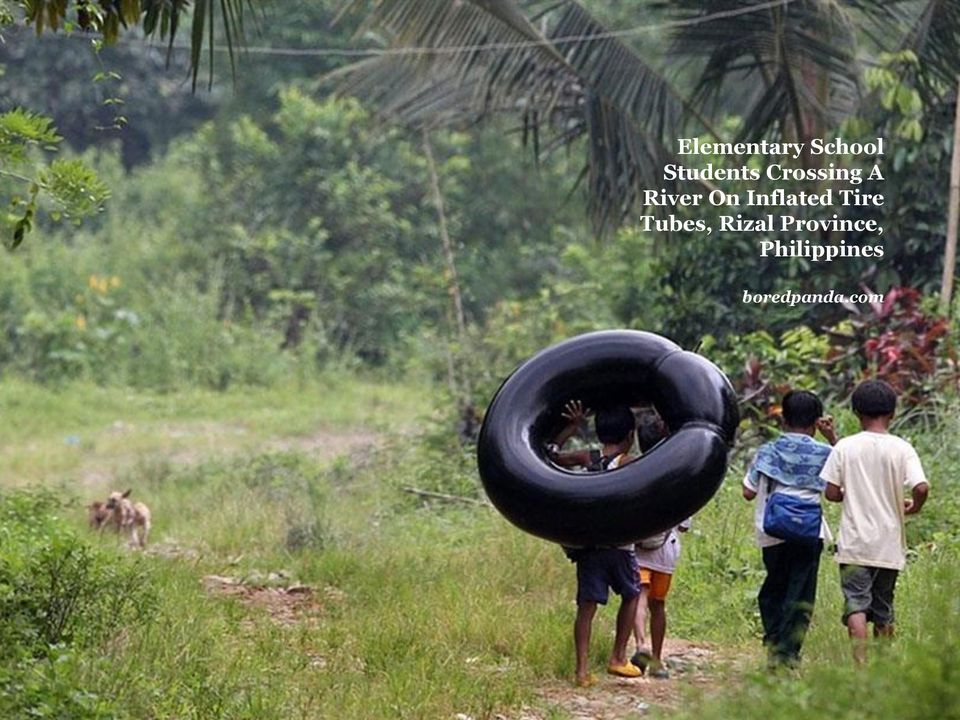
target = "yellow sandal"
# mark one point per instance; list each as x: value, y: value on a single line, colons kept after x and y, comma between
x: 627, y: 670
x: 586, y: 681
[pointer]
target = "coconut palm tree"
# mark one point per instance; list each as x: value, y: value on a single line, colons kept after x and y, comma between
x: 794, y: 68
x: 483, y: 57
x: 787, y: 68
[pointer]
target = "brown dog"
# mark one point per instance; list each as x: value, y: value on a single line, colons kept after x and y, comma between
x: 97, y: 515
x: 132, y: 518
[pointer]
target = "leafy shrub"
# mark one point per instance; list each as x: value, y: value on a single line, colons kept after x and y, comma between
x: 42, y: 691
x: 763, y: 368
x: 901, y: 342
x: 57, y: 596
x: 514, y: 330
x: 184, y: 339
x: 898, y: 341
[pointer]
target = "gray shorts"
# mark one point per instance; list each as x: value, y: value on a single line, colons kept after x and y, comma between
x: 868, y: 590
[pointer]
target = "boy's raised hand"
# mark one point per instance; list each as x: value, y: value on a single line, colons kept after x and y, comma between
x: 575, y: 412
x: 827, y: 428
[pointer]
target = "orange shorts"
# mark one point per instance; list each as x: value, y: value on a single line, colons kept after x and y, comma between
x: 658, y: 583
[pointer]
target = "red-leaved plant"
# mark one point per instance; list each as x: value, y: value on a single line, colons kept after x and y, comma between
x: 901, y: 343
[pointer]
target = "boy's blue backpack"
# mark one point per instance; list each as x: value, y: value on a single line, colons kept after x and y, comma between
x: 793, y: 519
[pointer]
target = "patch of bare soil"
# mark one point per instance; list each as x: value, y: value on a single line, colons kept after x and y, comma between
x: 325, y: 444
x: 693, y: 666
x: 287, y: 602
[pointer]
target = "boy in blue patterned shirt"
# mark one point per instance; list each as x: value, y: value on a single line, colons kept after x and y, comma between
x: 790, y: 465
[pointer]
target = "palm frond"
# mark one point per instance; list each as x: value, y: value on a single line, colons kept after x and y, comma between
x: 400, y: 91
x: 800, y: 56
x: 621, y: 162
x: 157, y: 18
x: 485, y: 44
x: 930, y: 28
x: 231, y: 14
x: 486, y: 56
x: 935, y: 38
x: 616, y: 73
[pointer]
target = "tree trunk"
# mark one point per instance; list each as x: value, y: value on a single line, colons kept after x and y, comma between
x: 953, y: 217
x: 452, y: 277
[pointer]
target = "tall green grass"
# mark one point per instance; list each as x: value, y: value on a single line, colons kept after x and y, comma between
x: 61, y: 601
x: 427, y: 609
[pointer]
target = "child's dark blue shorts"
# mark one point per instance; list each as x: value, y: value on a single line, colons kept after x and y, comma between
x: 598, y: 570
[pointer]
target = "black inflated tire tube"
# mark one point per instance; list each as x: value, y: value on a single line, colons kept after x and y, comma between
x: 652, y: 494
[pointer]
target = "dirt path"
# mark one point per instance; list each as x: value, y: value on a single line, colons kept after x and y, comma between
x: 695, y: 668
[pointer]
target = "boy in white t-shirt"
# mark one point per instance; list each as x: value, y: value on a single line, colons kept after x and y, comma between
x: 868, y: 473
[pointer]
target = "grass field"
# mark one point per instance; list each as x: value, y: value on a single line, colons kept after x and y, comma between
x: 86, y: 432
x: 289, y: 576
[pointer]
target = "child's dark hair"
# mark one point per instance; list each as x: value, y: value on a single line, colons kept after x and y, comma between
x: 650, y: 430
x: 801, y: 409
x: 614, y: 424
x: 874, y: 398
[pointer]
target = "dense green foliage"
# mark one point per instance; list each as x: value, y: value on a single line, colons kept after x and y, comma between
x: 293, y: 230
x: 315, y: 239
x: 59, y: 599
